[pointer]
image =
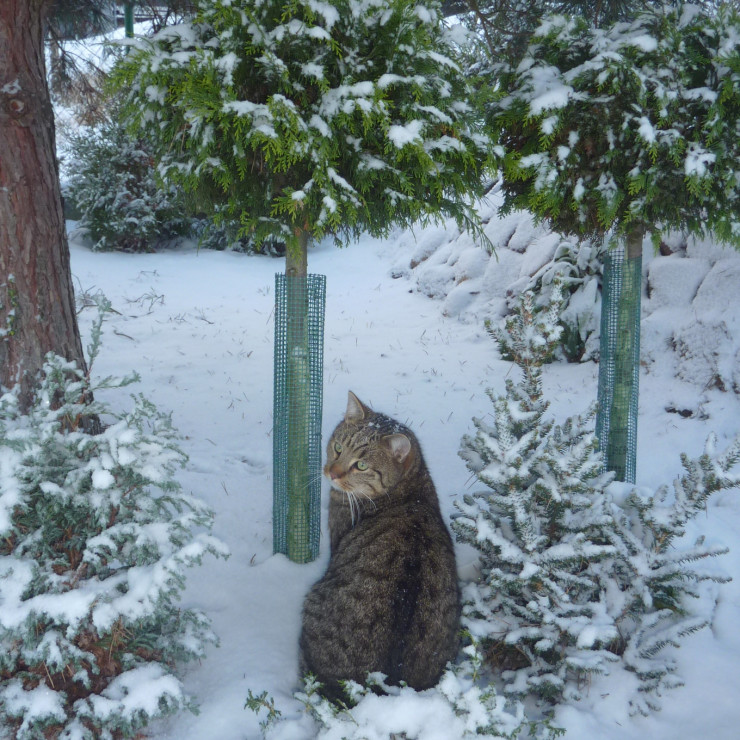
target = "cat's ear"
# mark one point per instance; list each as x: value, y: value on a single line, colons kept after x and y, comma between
x: 356, y: 409
x: 399, y: 445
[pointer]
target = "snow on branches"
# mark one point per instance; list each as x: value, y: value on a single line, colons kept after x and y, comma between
x: 95, y: 538
x: 310, y: 117
x: 463, y: 705
x: 577, y: 572
x: 629, y: 125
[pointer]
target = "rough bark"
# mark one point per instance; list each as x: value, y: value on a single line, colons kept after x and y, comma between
x: 37, y: 313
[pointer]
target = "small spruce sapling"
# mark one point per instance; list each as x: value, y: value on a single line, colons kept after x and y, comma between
x: 95, y: 538
x: 577, y: 573
x: 537, y: 606
x: 660, y: 574
x: 579, y: 266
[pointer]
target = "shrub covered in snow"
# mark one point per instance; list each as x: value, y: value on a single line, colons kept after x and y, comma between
x: 463, y: 705
x: 95, y: 537
x: 114, y: 186
x: 577, y: 573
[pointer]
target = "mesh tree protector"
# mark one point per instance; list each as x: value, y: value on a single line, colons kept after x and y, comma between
x: 619, y: 362
x: 297, y: 410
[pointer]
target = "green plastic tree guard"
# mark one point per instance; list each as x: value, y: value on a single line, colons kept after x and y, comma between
x: 128, y: 20
x: 299, y: 354
x: 619, y: 362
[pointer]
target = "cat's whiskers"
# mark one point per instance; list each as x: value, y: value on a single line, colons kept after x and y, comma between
x: 353, y: 505
x: 371, y: 500
x: 309, y: 480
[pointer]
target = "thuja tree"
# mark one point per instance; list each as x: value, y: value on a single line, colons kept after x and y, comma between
x: 303, y: 119
x: 578, y: 574
x: 620, y: 132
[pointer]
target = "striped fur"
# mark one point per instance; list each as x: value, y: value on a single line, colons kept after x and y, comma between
x: 389, y: 600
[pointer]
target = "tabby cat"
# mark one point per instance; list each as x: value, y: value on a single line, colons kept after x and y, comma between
x: 389, y: 600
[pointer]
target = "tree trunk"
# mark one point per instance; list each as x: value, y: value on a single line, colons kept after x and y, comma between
x: 299, y: 387
x: 37, y: 313
x: 619, y: 369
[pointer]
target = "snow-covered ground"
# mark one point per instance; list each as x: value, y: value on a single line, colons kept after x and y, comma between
x: 198, y: 327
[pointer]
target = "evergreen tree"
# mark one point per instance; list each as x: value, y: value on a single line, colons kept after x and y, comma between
x: 95, y: 537
x: 113, y: 185
x: 627, y: 127
x: 538, y: 525
x: 621, y: 131
x: 304, y: 119
x: 575, y: 574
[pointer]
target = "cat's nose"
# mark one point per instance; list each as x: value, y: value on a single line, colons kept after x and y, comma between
x: 333, y: 473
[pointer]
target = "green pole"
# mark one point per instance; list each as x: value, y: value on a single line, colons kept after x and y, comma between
x: 298, y: 375
x: 128, y: 19
x: 619, y: 362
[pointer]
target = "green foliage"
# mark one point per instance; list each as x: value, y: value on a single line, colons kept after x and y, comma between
x: 578, y: 268
x: 504, y: 27
x: 115, y: 188
x: 577, y: 573
x: 263, y: 701
x: 633, y: 125
x: 95, y: 537
x: 307, y: 117
x: 464, y: 704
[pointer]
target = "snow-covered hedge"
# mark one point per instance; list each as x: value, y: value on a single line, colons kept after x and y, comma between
x: 95, y: 537
x: 113, y: 184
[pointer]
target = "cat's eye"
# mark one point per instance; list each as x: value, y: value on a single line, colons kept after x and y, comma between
x: 361, y: 465
x: 337, y: 448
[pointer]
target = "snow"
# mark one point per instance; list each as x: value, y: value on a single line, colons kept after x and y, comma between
x: 205, y: 352
x: 643, y: 42
x: 401, y: 135
x: 33, y: 704
x: 647, y: 132
x: 547, y: 91
x: 10, y: 494
x: 136, y: 691
x: 326, y: 10
x: 102, y: 479
x: 698, y: 160
x: 11, y: 88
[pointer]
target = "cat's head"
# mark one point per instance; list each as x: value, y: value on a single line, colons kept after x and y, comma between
x: 368, y: 453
